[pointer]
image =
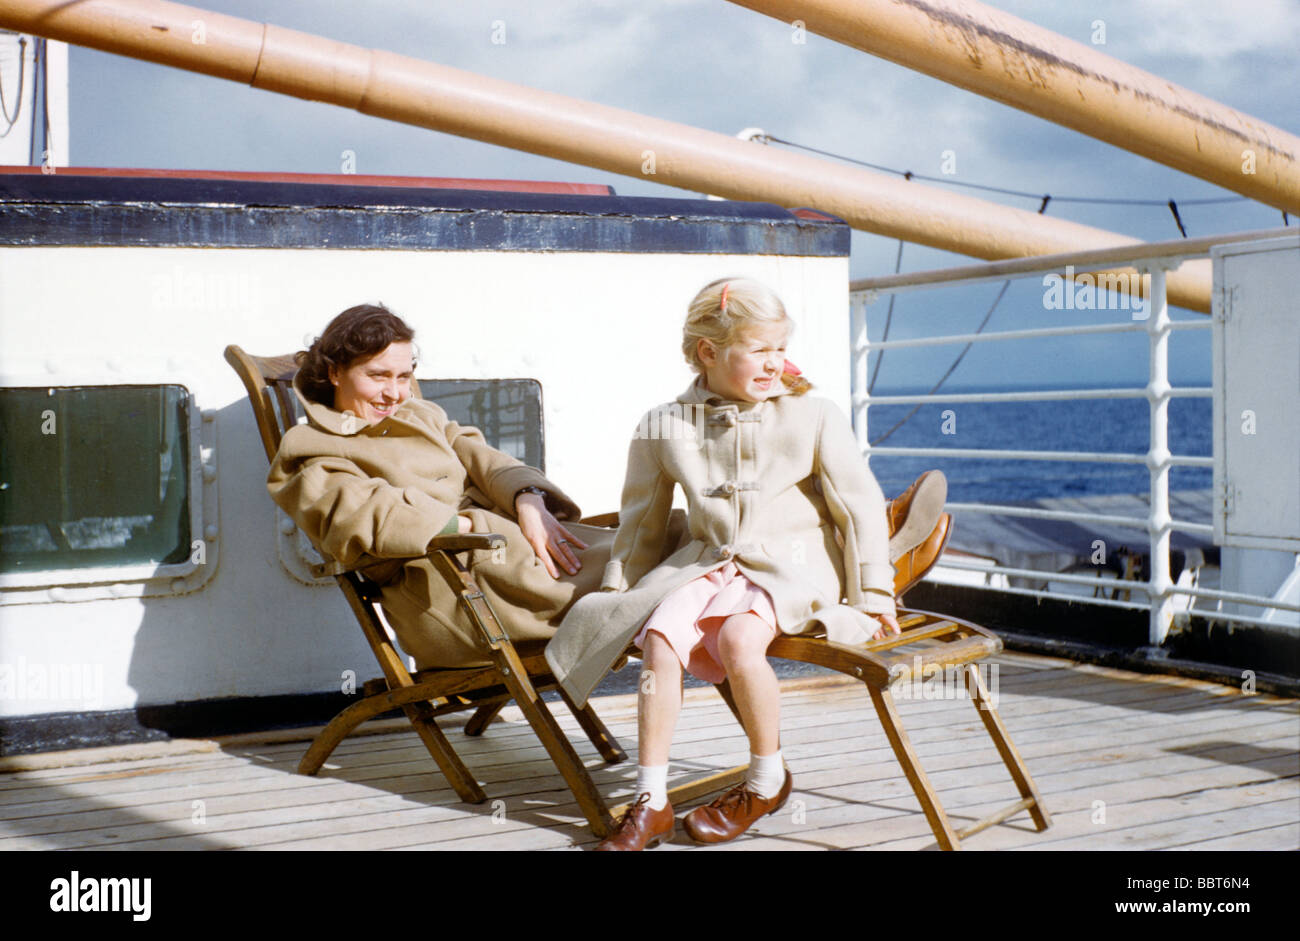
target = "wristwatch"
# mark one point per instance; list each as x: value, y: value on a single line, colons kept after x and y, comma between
x: 531, y: 489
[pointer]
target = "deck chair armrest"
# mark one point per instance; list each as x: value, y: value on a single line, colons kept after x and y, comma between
x: 330, y: 569
x: 460, y: 543
x: 466, y: 541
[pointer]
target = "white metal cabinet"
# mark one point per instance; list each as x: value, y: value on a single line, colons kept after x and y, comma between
x: 1256, y: 308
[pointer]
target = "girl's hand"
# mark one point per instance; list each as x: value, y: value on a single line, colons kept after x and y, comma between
x: 464, y: 524
x: 548, y: 537
x: 888, y: 625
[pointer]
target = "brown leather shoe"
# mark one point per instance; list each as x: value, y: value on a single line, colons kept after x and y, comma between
x: 733, y: 813
x: 639, y: 827
x: 915, y: 512
x: 912, y: 566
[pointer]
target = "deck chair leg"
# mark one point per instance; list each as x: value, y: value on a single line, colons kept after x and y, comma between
x: 724, y: 690
x: 557, y: 745
x: 1010, y: 757
x: 339, y: 728
x: 458, y: 776
x: 893, y: 726
x: 483, y: 717
x: 600, y: 736
x: 506, y: 659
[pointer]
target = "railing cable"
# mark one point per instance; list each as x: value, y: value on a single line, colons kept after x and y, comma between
x: 889, y: 318
x: 944, y: 378
x: 947, y: 181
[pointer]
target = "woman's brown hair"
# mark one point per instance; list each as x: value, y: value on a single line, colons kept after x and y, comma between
x: 359, y: 333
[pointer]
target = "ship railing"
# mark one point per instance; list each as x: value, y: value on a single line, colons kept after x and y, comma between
x: 1167, y: 602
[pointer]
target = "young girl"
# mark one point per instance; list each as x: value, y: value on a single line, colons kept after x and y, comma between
x: 784, y: 521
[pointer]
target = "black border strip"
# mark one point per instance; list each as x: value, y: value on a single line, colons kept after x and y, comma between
x: 127, y: 211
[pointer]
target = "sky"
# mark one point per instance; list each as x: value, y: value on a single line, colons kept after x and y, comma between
x: 718, y: 66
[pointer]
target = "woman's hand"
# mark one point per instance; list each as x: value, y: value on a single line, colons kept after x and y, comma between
x: 464, y: 524
x: 888, y: 625
x: 548, y: 537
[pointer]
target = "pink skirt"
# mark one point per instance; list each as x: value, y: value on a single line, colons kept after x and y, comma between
x: 690, y: 617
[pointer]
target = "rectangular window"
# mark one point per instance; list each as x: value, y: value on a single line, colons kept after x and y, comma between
x: 94, y: 476
x: 507, y: 411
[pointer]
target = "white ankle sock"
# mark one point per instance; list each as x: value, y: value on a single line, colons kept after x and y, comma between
x: 653, y: 780
x: 766, y: 774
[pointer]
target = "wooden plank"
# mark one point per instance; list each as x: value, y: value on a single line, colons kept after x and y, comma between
x: 423, y: 766
x: 902, y: 796
x: 847, y: 787
x: 1284, y: 837
x: 828, y: 755
x: 293, y: 750
x: 820, y: 806
x: 1161, y: 834
x: 1075, y: 819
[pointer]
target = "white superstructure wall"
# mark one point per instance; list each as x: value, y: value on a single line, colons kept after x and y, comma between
x: 599, y: 330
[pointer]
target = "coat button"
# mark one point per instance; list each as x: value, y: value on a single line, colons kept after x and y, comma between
x: 723, y: 553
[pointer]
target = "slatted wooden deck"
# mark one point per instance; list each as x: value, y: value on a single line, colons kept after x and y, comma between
x: 1124, y: 761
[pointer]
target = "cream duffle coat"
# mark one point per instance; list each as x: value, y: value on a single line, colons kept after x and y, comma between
x: 779, y: 487
x: 369, y: 495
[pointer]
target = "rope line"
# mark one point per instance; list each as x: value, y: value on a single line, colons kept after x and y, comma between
x: 944, y: 378
x: 910, y: 175
x: 889, y: 318
x: 22, y: 69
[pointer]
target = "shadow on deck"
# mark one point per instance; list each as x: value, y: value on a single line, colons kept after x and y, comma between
x: 1123, y: 761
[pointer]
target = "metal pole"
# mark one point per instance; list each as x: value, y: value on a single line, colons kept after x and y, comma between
x: 1159, y: 521
x: 435, y: 96
x: 859, y: 354
x: 999, y: 56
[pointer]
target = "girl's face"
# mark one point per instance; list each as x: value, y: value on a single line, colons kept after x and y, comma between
x: 748, y: 370
x: 372, y: 389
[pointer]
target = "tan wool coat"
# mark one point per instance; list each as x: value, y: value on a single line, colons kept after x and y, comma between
x: 778, y: 486
x: 374, y: 493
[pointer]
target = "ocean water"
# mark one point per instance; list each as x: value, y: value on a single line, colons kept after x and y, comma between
x: 1104, y: 425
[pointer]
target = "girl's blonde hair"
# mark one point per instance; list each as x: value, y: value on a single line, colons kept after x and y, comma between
x: 724, y: 309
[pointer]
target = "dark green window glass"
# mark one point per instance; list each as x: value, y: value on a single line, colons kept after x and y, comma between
x: 507, y: 411
x: 93, y: 476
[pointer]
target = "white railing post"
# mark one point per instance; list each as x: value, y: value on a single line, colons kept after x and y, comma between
x: 859, y: 356
x: 1158, y: 520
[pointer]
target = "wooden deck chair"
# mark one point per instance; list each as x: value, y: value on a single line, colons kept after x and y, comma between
x: 929, y: 642
x: 518, y: 672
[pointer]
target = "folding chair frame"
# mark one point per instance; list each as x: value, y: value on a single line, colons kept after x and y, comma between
x: 517, y: 673
x: 928, y: 642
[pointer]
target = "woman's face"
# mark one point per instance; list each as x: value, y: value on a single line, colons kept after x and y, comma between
x: 372, y: 389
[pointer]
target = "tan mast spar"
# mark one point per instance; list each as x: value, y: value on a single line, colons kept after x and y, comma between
x: 426, y: 94
x: 994, y: 54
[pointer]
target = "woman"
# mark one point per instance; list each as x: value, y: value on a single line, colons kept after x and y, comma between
x: 375, y: 474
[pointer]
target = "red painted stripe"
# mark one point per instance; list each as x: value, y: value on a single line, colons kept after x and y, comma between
x: 814, y: 214
x: 343, y: 179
